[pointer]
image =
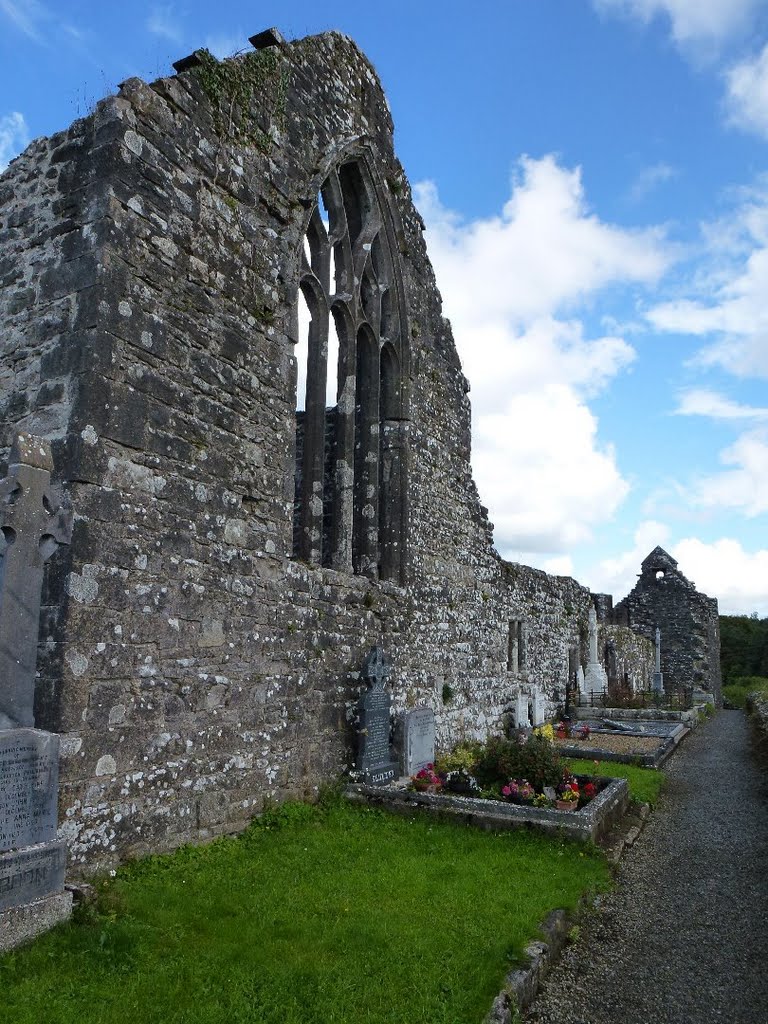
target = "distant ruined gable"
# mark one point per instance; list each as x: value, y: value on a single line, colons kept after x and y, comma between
x: 688, y: 620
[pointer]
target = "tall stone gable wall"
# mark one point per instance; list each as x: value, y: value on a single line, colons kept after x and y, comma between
x: 148, y: 281
x: 688, y: 620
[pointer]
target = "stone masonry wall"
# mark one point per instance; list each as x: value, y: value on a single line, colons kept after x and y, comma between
x: 148, y: 282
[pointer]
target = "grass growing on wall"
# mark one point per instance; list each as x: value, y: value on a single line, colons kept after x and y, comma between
x: 645, y: 784
x: 318, y: 915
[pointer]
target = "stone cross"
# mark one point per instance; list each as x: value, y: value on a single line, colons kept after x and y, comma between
x: 592, y: 637
x: 657, y: 664
x: 31, y: 529
x: 657, y: 681
x: 375, y: 668
x: 595, y: 677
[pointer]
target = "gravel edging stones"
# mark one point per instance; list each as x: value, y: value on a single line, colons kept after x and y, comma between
x: 589, y: 823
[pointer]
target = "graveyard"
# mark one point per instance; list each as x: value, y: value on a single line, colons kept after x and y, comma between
x: 239, y: 623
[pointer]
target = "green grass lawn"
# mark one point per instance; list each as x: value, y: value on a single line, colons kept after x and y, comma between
x: 645, y: 784
x: 320, y: 915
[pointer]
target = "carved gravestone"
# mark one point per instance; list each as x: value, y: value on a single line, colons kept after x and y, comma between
x: 611, y: 665
x: 32, y: 861
x: 522, y: 721
x: 375, y: 760
x: 30, y: 531
x: 418, y: 731
x: 539, y: 706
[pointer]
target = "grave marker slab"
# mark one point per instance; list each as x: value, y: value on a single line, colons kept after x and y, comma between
x: 522, y: 721
x: 539, y: 706
x: 31, y: 874
x: 29, y: 774
x: 418, y: 740
x: 374, y: 758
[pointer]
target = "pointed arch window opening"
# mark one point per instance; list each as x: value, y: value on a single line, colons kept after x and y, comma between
x: 349, y: 507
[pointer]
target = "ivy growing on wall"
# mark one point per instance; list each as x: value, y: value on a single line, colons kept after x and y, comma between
x: 234, y: 85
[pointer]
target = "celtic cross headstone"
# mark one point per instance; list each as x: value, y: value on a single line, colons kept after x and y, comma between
x: 375, y: 759
x: 31, y: 529
x: 32, y: 859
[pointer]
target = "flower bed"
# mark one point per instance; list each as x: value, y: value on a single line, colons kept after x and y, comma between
x: 587, y: 823
x: 505, y: 783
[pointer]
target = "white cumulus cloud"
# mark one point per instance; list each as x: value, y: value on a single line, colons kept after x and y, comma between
x: 747, y: 93
x: 703, y: 402
x: 724, y: 299
x: 544, y: 251
x: 724, y: 569
x: 744, y: 486
x: 540, y: 465
x: 691, y: 21
x: 618, y: 575
x: 14, y: 136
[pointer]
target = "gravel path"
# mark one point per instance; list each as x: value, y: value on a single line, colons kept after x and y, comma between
x: 684, y: 937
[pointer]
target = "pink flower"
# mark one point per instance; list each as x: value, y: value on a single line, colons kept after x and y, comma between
x: 506, y: 790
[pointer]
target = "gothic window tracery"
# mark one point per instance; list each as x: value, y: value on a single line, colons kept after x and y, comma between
x: 351, y: 416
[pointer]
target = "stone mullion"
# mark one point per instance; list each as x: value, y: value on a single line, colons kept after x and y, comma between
x: 392, y: 499
x: 313, y: 464
x: 321, y: 252
x: 366, y: 533
x: 344, y: 469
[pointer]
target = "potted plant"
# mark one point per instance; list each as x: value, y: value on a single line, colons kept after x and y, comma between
x: 567, y: 800
x: 427, y: 780
x: 567, y: 793
x: 460, y: 781
x: 519, y: 791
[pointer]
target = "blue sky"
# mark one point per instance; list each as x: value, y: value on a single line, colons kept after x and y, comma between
x: 594, y: 179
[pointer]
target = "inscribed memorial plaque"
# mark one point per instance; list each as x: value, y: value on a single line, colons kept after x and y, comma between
x: 31, y: 874
x: 29, y: 772
x: 418, y: 740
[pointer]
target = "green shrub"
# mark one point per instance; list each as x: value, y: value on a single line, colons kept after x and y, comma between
x: 737, y: 690
x: 536, y: 760
x: 465, y: 756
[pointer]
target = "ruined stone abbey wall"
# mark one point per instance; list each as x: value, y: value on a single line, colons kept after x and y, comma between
x: 195, y: 663
x: 688, y: 621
